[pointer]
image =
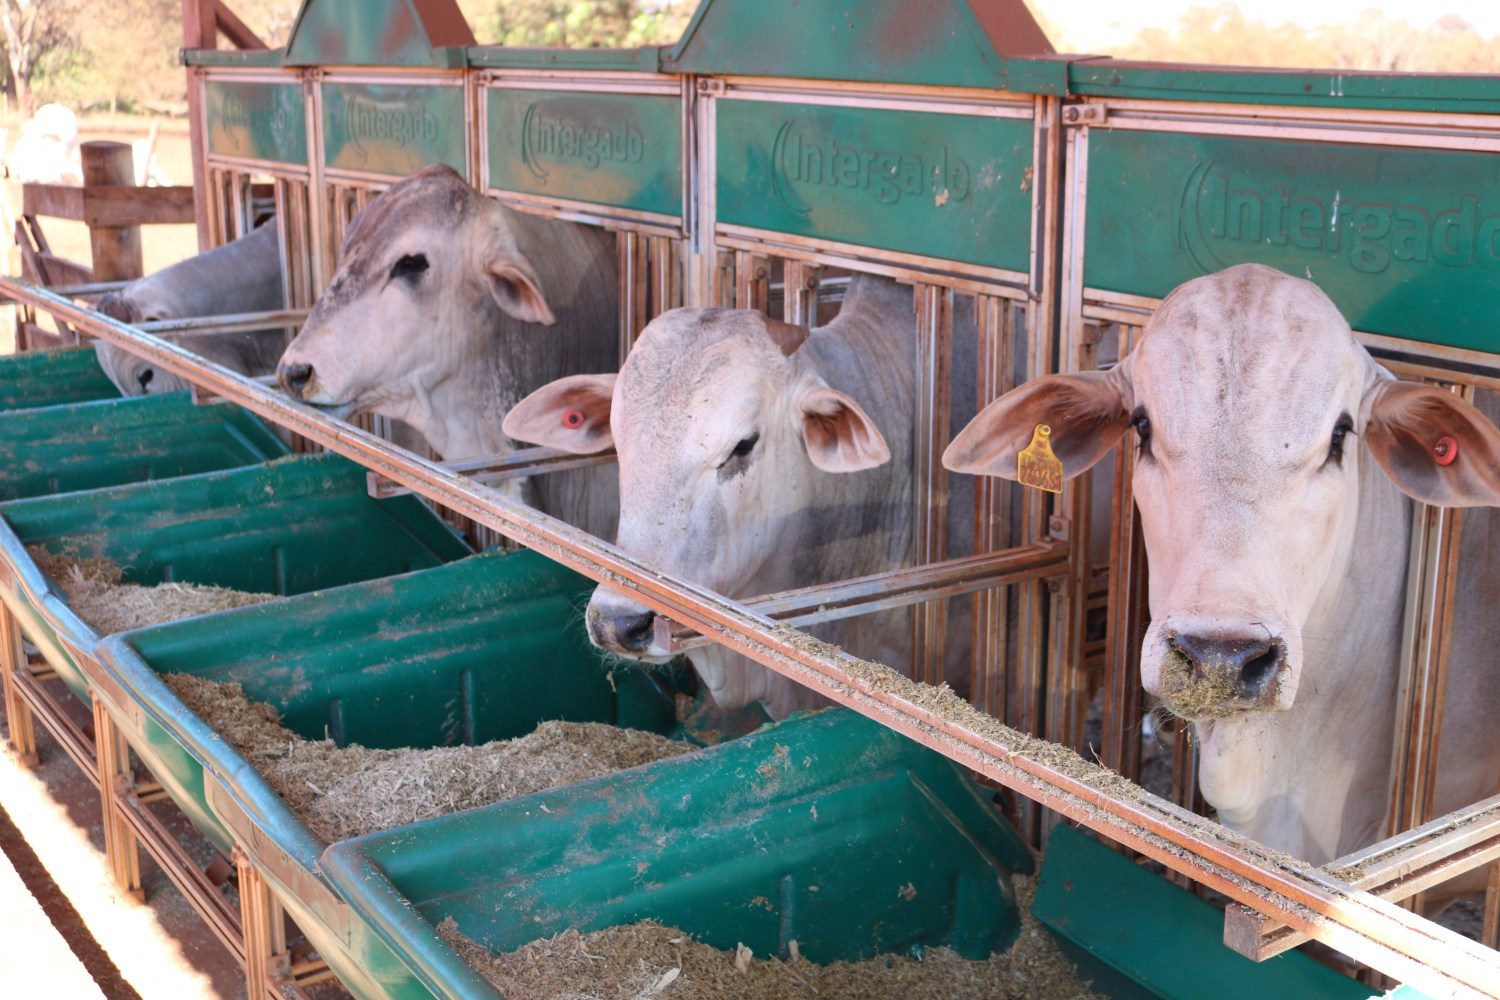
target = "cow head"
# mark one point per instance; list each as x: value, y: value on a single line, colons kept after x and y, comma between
x: 1247, y: 402
x: 721, y: 426
x: 133, y: 375
x: 424, y: 273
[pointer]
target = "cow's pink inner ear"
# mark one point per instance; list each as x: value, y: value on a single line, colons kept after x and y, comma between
x: 516, y: 290
x: 838, y: 435
x: 1409, y: 424
x: 571, y: 414
x: 1087, y: 414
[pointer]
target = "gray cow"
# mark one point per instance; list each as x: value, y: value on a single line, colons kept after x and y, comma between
x: 446, y: 309
x: 238, y: 277
x: 756, y: 457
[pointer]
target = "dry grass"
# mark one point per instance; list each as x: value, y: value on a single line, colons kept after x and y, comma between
x: 96, y: 591
x: 343, y: 792
x: 647, y: 959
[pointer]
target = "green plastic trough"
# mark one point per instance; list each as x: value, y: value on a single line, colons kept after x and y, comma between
x: 1134, y: 934
x: 82, y: 446
x: 286, y: 527
x: 482, y: 649
x: 826, y: 829
x: 50, y: 378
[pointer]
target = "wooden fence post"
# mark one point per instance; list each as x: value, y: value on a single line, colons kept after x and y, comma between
x: 117, y: 251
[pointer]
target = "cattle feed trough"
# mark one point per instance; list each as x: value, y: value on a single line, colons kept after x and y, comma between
x: 1056, y: 199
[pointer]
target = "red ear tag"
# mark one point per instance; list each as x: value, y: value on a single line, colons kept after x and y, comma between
x: 573, y: 418
x: 1445, y: 451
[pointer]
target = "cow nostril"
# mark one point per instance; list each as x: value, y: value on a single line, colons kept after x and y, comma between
x: 145, y: 377
x: 295, y: 376
x: 1246, y: 664
x: 1258, y: 670
x: 633, y: 632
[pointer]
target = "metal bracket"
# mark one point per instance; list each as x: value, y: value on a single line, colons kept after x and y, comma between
x: 712, y: 87
x: 1058, y: 527
x: 1084, y: 114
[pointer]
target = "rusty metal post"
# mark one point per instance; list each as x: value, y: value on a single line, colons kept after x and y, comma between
x: 267, y: 961
x: 121, y: 849
x: 117, y: 250
x: 17, y: 713
x: 200, y: 30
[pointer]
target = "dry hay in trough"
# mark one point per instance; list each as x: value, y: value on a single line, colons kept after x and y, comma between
x: 348, y: 791
x: 646, y: 959
x: 96, y: 590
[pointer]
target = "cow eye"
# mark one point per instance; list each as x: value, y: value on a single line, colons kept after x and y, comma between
x: 1142, y: 425
x: 409, y: 266
x: 1343, y: 428
x: 745, y: 446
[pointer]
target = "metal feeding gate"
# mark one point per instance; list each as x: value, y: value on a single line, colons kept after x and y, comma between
x: 1037, y: 206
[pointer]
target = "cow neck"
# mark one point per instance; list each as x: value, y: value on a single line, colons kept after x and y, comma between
x: 1328, y: 755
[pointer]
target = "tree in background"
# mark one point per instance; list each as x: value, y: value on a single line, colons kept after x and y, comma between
x: 577, y: 24
x: 35, y: 29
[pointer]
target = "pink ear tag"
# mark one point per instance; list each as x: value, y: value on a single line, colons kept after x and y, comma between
x: 1445, y: 451
x: 573, y: 418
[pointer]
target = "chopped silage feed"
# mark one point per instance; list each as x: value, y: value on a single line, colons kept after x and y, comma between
x: 343, y: 792
x: 644, y: 960
x: 96, y: 590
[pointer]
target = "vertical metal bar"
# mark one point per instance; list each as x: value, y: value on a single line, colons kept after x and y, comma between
x: 1489, y: 933
x: 112, y: 754
x: 322, y: 260
x: 800, y: 300
x: 666, y: 276
x: 992, y: 508
x: 633, y: 306
x: 752, y: 281
x: 267, y: 960
x: 18, y: 715
x: 934, y: 307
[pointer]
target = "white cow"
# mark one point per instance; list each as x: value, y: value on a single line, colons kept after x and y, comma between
x: 755, y: 457
x: 239, y: 277
x: 446, y: 309
x: 1275, y: 462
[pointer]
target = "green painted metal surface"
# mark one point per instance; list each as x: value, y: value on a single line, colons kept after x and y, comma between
x: 286, y: 527
x: 953, y: 187
x: 1138, y: 935
x: 806, y: 830
x: 645, y: 59
x: 260, y: 121
x: 925, y: 42
x: 378, y: 33
x: 1406, y: 242
x: 80, y: 446
x: 623, y: 150
x: 1463, y: 93
x: 49, y: 378
x: 480, y: 649
x: 394, y: 129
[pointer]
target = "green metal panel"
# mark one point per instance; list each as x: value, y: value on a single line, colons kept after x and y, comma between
x: 806, y: 830
x: 378, y: 33
x: 261, y: 121
x: 480, y: 649
x: 1405, y: 241
x: 623, y: 150
x: 646, y: 59
x: 80, y: 446
x: 286, y: 527
x: 954, y: 187
x: 236, y: 58
x: 1464, y: 93
x: 48, y: 378
x: 1138, y: 935
x: 925, y: 42
x: 395, y: 129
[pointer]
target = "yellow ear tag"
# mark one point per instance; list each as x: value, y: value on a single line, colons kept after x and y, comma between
x: 1037, y: 466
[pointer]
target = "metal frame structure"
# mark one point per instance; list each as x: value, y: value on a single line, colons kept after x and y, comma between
x: 1029, y: 573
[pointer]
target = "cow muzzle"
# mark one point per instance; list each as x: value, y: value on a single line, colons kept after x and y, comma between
x: 1211, y: 673
x: 624, y: 627
x: 294, y: 377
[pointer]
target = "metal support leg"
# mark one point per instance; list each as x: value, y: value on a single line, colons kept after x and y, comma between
x: 267, y: 961
x: 121, y: 849
x: 17, y: 712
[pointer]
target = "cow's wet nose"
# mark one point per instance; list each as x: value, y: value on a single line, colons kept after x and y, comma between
x: 1236, y: 666
x: 294, y: 376
x: 625, y: 631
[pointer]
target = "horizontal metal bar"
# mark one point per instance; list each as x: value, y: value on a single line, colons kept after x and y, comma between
x: 491, y: 469
x: 880, y: 591
x: 1369, y: 930
x: 228, y: 323
x: 89, y: 290
x: 1395, y: 869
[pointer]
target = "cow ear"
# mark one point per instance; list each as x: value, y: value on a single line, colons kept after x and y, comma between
x: 1087, y: 413
x: 516, y: 289
x: 1434, y: 445
x: 838, y: 435
x: 571, y: 414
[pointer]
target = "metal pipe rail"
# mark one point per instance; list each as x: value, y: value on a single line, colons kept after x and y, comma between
x: 229, y: 323
x: 1368, y: 929
x: 491, y: 469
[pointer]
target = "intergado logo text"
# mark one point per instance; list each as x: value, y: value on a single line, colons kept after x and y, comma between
x: 1220, y: 217
x: 802, y: 159
x: 400, y: 125
x: 240, y: 119
x: 559, y: 138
